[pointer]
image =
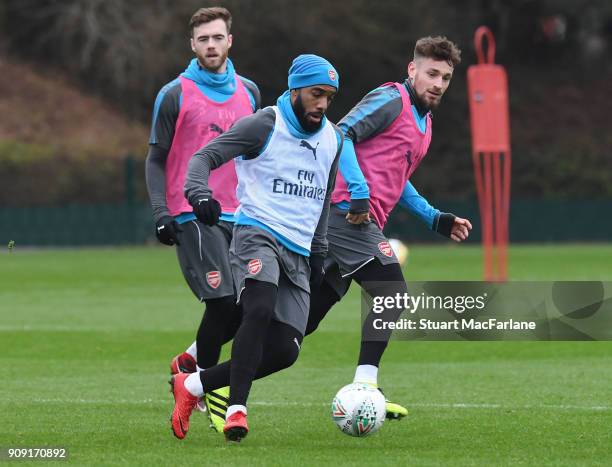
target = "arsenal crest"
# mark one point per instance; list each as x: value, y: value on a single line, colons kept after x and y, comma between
x: 385, y: 249
x: 213, y: 278
x: 254, y: 266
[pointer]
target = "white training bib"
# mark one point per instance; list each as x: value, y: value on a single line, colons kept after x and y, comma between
x: 285, y: 186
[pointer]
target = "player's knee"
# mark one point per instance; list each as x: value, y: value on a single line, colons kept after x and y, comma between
x: 232, y: 325
x: 321, y: 301
x: 382, y: 280
x: 220, y: 306
x: 386, y: 289
x: 257, y: 314
x: 222, y: 316
x: 217, y: 315
x: 289, y: 354
x: 258, y: 299
x: 284, y: 344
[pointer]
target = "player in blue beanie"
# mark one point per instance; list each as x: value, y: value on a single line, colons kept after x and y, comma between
x: 286, y: 159
x: 310, y: 78
x: 309, y: 70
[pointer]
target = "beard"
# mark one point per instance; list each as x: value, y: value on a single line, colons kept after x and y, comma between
x: 301, y: 114
x: 213, y: 64
x: 426, y: 103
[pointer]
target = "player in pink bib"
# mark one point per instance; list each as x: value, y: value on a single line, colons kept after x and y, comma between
x: 387, y: 135
x: 190, y: 111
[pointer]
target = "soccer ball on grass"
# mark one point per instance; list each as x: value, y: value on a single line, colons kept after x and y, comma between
x: 358, y: 409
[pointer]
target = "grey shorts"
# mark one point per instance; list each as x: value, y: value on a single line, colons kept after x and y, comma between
x: 255, y: 254
x: 351, y: 247
x: 204, y: 258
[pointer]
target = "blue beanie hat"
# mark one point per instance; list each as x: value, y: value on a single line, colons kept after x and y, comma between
x: 310, y: 70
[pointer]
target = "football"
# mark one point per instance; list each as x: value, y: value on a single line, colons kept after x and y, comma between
x: 400, y: 250
x: 358, y: 409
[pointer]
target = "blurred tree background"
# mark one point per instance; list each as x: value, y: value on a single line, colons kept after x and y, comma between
x: 119, y: 53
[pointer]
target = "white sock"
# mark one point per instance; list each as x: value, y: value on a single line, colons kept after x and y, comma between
x: 193, y: 350
x: 198, y: 368
x: 366, y: 374
x: 232, y: 409
x: 193, y: 384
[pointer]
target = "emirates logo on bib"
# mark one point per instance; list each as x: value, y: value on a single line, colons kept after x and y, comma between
x: 254, y: 266
x: 213, y: 278
x: 385, y: 249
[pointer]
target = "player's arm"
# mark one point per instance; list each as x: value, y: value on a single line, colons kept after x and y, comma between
x: 371, y: 116
x: 247, y: 138
x: 165, y: 115
x: 319, y: 240
x: 444, y: 223
x: 356, y: 183
x: 155, y: 175
x: 319, y: 246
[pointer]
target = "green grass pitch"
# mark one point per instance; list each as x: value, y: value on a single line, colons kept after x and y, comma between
x: 86, y: 337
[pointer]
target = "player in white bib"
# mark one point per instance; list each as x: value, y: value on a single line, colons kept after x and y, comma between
x: 286, y: 161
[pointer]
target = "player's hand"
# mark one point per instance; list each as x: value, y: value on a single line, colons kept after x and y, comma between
x: 358, y: 218
x: 461, y: 229
x: 207, y: 210
x: 167, y: 229
x: 359, y: 211
x: 453, y: 227
x: 316, y: 270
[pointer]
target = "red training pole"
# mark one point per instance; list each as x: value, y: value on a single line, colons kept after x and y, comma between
x: 489, y: 121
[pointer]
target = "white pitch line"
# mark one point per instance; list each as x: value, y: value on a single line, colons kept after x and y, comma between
x: 595, y: 408
x: 72, y: 328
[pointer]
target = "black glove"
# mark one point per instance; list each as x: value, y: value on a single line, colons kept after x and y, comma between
x: 445, y: 224
x: 359, y: 206
x: 316, y: 270
x: 207, y: 210
x: 166, y: 230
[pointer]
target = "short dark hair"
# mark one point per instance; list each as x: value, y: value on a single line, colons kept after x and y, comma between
x: 206, y: 15
x: 438, y: 48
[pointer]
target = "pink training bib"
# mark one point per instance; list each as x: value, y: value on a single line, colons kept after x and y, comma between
x: 200, y: 120
x: 388, y: 160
